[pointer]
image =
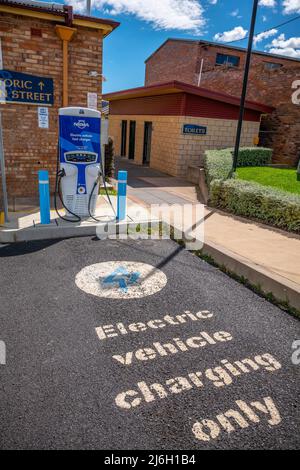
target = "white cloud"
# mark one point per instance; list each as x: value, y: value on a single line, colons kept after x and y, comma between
x: 235, y: 34
x: 236, y: 13
x: 289, y: 51
x: 267, y: 3
x: 283, y: 46
x: 291, y: 6
x: 264, y: 18
x: 261, y: 36
x: 185, y: 15
x: 283, y: 43
x: 213, y: 2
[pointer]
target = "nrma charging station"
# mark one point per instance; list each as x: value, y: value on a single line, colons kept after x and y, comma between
x: 80, y: 165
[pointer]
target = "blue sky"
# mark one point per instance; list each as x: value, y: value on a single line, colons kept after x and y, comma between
x: 146, y: 24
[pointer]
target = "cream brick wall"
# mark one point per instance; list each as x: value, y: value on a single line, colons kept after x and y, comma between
x: 171, y: 151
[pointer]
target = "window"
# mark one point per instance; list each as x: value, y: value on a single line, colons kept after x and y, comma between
x: 272, y: 65
x: 225, y: 59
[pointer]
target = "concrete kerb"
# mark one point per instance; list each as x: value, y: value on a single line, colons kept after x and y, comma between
x: 53, y: 231
x: 27, y: 226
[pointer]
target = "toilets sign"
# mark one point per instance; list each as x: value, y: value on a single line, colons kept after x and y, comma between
x: 194, y: 129
x: 16, y: 87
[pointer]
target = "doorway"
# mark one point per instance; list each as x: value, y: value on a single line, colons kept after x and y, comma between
x: 123, y: 139
x: 147, y: 143
x: 131, y: 151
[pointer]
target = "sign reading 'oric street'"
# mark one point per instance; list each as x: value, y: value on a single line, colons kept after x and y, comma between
x: 193, y: 129
x: 19, y: 87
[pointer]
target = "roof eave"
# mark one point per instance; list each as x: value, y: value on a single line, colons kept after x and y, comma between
x: 177, y: 87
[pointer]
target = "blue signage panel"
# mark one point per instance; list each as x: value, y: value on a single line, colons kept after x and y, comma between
x: 193, y: 129
x: 17, y: 87
x: 79, y: 143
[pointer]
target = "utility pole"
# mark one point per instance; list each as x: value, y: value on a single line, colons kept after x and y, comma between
x: 245, y: 85
x: 88, y: 7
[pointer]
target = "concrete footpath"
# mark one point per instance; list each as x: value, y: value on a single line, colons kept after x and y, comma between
x: 265, y: 256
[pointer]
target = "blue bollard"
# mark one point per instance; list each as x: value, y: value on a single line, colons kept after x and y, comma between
x: 44, y: 196
x: 122, y: 191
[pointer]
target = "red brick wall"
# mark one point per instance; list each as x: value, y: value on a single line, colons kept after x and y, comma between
x: 28, y: 148
x: 179, y: 60
x: 174, y: 61
x: 280, y: 131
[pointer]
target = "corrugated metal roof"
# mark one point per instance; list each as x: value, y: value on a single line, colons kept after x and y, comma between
x: 57, y: 9
x: 51, y: 6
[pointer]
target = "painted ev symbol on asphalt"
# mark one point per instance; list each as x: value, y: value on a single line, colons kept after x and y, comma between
x: 121, y: 279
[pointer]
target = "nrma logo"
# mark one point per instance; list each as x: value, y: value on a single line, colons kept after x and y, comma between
x: 81, y: 124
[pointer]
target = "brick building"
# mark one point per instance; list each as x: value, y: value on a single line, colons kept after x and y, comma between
x: 169, y: 125
x: 46, y: 42
x: 221, y: 69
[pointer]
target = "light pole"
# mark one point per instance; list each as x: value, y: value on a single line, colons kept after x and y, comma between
x: 3, y: 176
x: 244, y: 90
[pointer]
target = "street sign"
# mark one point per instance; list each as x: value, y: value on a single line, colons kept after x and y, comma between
x: 193, y: 129
x: 92, y: 99
x: 17, y: 87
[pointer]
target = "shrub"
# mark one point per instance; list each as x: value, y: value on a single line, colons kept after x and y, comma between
x: 218, y: 163
x: 250, y: 199
x: 254, y: 156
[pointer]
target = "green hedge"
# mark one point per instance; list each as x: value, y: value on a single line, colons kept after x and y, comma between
x: 218, y: 163
x: 250, y: 199
x: 254, y: 156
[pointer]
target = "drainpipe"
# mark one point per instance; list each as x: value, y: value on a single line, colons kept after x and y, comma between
x: 65, y: 33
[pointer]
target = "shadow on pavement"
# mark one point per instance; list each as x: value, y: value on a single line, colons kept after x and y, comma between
x: 24, y: 248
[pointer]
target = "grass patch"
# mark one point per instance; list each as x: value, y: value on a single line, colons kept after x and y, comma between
x: 284, y: 179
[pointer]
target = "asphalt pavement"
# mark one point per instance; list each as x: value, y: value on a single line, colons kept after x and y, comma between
x: 200, y: 363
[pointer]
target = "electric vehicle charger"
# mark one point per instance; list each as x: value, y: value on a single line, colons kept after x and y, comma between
x: 78, y: 161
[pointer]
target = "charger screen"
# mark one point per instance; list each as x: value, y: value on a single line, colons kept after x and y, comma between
x: 80, y: 157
